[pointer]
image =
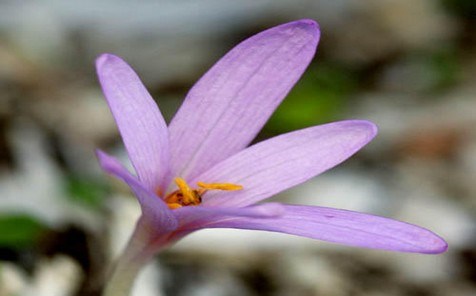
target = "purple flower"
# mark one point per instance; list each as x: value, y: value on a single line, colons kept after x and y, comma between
x: 199, y: 171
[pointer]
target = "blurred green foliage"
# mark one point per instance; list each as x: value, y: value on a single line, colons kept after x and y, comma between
x: 446, y: 67
x: 320, y: 96
x: 464, y: 8
x: 86, y: 191
x: 19, y: 230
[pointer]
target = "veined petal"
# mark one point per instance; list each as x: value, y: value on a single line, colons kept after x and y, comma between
x: 279, y: 163
x: 229, y: 105
x: 197, y: 217
x: 138, y: 118
x: 154, y: 210
x: 344, y: 227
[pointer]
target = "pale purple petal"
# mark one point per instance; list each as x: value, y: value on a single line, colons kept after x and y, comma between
x: 344, y: 227
x: 138, y: 118
x: 196, y: 217
x: 229, y: 105
x: 154, y: 209
x: 277, y: 164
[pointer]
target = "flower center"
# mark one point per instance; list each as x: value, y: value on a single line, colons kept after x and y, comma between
x: 187, y: 196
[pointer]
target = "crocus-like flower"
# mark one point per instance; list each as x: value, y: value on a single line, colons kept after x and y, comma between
x: 200, y: 173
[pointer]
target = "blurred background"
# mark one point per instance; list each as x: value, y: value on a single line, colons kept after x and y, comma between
x: 407, y: 65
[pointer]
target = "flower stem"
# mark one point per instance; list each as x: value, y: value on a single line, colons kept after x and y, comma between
x: 134, y: 257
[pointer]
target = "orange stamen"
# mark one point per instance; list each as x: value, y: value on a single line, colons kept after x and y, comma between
x: 220, y: 186
x: 186, y: 196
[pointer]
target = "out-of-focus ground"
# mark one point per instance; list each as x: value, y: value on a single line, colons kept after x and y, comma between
x: 407, y: 65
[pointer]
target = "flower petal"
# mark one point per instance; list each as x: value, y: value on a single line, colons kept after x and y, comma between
x: 154, y: 210
x: 277, y: 164
x: 196, y: 217
x: 344, y: 227
x: 229, y: 105
x: 138, y: 118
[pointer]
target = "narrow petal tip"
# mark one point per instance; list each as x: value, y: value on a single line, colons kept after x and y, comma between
x: 371, y: 128
x: 308, y: 25
x: 108, y: 64
x: 437, y: 246
x: 426, y: 242
x: 365, y: 128
x: 308, y: 22
x: 106, y: 59
x: 107, y: 164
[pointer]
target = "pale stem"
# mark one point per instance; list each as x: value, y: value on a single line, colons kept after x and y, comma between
x: 137, y: 253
